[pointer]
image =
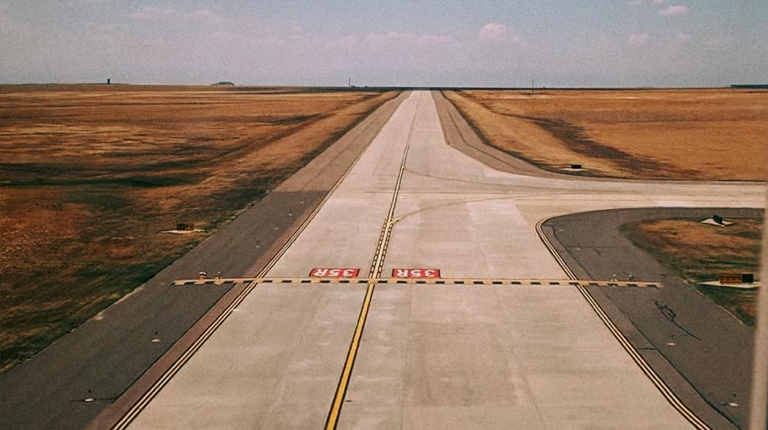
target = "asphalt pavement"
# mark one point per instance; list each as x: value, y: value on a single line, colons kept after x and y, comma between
x: 104, y: 357
x: 338, y: 355
x: 429, y: 355
x: 676, y: 327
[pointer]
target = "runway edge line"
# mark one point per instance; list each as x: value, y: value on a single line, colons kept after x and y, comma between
x: 646, y: 368
x: 155, y: 389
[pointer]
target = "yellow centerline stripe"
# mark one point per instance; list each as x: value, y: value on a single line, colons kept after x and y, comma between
x: 378, y: 262
x: 333, y: 414
x: 148, y: 396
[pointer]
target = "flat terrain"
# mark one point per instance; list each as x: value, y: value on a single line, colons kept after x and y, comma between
x: 701, y: 252
x: 527, y: 356
x: 328, y: 353
x: 93, y: 175
x: 718, y: 134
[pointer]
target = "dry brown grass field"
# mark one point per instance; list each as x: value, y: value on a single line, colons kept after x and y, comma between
x: 91, y: 176
x: 707, y: 134
x: 702, y: 252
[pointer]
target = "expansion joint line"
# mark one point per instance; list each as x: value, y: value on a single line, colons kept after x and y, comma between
x: 376, y: 267
x: 646, y: 368
x: 135, y: 409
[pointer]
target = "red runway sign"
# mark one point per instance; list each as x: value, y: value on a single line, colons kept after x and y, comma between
x: 415, y: 273
x: 321, y: 272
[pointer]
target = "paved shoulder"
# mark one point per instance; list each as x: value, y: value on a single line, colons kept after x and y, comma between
x: 705, y: 354
x: 71, y: 382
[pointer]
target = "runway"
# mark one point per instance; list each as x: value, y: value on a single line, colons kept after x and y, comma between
x: 413, y: 356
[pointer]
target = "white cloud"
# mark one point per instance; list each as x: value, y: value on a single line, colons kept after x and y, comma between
x: 493, y: 33
x: 720, y: 43
x: 388, y: 42
x: 638, y: 39
x: 207, y: 16
x: 683, y: 37
x: 673, y: 10
x: 413, y: 38
x: 153, y: 13
x: 10, y: 26
x: 655, y: 3
x: 76, y: 3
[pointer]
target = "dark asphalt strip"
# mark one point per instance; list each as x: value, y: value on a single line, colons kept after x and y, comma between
x: 105, y: 356
x: 702, y: 352
x: 102, y: 358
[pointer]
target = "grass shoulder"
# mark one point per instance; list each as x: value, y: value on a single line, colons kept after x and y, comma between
x: 701, y: 252
x: 92, y: 176
x: 712, y: 134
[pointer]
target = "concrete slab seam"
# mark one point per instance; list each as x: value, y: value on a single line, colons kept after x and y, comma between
x: 376, y: 267
x: 145, y: 399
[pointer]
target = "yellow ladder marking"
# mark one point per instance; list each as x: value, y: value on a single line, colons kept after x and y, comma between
x: 376, y: 266
x: 135, y: 409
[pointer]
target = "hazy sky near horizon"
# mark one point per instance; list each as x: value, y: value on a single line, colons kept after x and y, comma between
x: 420, y: 42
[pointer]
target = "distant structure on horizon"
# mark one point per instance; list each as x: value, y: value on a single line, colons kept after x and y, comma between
x: 751, y: 86
x: 224, y: 84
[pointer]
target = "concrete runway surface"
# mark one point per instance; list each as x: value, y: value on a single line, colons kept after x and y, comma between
x: 114, y: 355
x: 429, y: 356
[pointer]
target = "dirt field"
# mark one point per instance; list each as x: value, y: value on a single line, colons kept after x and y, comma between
x: 92, y: 175
x: 719, y: 134
x: 702, y: 252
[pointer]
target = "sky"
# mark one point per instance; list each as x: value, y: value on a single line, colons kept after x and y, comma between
x: 556, y: 43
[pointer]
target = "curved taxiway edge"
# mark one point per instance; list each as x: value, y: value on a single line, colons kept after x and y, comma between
x: 704, y: 354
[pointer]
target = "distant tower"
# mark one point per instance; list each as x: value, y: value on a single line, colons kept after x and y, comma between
x: 350, y: 82
x: 109, y: 81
